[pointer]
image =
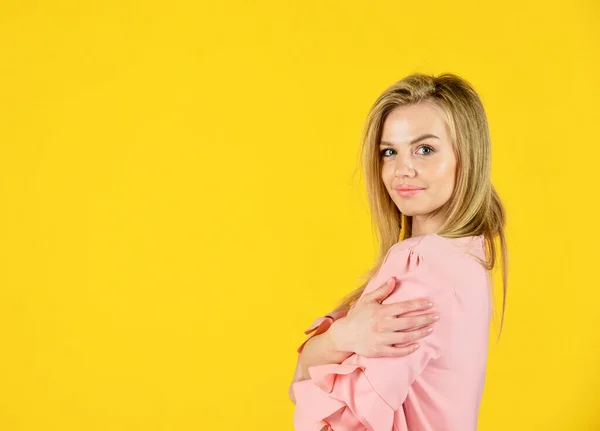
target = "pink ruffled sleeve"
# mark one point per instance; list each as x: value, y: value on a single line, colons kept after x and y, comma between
x: 366, y: 392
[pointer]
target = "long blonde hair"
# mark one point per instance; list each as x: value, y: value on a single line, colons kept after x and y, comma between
x: 474, y: 208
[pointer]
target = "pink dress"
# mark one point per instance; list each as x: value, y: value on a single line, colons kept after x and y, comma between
x: 436, y: 388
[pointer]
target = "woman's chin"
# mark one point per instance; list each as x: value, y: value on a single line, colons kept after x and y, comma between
x: 408, y: 211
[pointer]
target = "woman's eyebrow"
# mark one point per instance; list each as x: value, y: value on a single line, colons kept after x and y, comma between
x: 414, y: 141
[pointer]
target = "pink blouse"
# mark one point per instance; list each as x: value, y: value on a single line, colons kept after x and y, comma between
x: 436, y: 388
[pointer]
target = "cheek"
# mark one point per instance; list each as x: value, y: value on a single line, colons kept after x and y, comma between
x: 386, y: 174
x: 444, y: 172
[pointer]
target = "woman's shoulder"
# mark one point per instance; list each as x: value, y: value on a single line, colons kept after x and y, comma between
x: 436, y: 256
x: 460, y: 262
x: 437, y: 246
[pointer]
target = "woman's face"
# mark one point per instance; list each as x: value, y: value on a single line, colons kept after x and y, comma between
x: 416, y: 151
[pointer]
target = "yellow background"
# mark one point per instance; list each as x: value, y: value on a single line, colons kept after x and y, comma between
x: 179, y: 201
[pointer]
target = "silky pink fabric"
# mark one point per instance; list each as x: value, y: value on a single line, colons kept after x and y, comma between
x: 436, y: 388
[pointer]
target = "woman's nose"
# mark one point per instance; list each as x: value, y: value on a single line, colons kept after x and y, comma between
x: 403, y: 165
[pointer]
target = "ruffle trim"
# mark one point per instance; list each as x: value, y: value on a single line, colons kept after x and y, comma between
x: 337, y: 386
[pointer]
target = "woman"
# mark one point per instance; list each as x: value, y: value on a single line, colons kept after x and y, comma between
x: 427, y: 160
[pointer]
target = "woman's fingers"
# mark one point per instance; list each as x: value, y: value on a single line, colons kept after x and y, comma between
x: 381, y: 292
x: 413, y: 322
x: 398, y: 308
x: 401, y: 338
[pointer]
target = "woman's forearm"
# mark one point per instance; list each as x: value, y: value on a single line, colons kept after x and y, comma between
x: 319, y: 350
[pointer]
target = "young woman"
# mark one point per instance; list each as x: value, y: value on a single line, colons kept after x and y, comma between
x: 427, y: 163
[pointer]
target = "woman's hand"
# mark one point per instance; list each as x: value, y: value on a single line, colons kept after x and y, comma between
x: 372, y: 329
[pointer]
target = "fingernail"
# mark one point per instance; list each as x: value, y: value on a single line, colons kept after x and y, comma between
x: 436, y: 317
x: 430, y: 304
x: 391, y: 281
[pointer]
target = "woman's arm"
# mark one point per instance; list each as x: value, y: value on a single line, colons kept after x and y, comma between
x: 372, y: 389
x: 319, y: 350
x: 339, y: 341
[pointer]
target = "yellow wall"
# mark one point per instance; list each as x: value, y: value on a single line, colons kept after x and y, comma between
x: 178, y: 202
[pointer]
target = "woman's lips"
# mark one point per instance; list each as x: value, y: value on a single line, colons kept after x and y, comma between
x: 408, y: 192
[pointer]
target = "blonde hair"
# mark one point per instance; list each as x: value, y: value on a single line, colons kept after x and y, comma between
x: 474, y: 208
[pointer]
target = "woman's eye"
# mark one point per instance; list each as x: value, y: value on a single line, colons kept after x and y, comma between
x: 382, y: 152
x: 428, y: 148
